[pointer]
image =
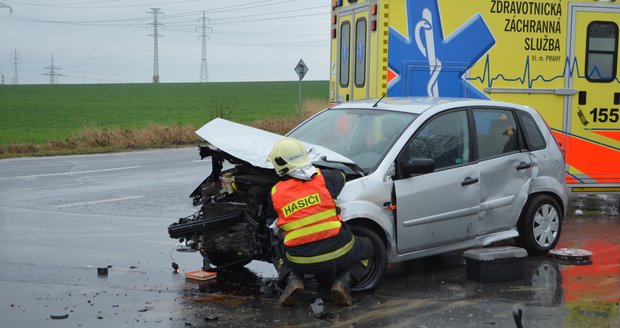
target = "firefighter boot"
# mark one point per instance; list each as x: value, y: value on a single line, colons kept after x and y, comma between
x: 340, y: 289
x: 294, y: 289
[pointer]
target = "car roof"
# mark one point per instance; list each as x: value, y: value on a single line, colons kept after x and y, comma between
x: 417, y: 105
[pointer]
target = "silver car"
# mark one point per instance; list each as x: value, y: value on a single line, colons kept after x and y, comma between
x: 425, y: 176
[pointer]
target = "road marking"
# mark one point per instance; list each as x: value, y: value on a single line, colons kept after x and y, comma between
x: 202, y: 160
x: 99, y: 201
x: 71, y: 173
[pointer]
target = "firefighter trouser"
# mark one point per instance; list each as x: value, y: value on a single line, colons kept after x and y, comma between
x: 354, y: 261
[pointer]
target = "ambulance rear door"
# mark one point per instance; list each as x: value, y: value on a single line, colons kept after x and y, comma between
x: 592, y: 116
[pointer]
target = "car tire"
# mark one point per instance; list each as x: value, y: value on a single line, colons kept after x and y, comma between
x: 219, y: 259
x: 540, y: 225
x: 377, y: 264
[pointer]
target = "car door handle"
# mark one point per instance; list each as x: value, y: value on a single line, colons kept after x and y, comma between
x: 469, y: 181
x: 523, y: 166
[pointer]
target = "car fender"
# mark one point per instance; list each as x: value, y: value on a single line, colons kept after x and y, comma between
x: 546, y: 184
x: 355, y: 210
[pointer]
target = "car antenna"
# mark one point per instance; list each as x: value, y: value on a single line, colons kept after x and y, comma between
x: 377, y: 103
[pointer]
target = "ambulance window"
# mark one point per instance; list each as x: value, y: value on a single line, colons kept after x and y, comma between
x: 345, y: 36
x: 360, y: 52
x: 602, y: 51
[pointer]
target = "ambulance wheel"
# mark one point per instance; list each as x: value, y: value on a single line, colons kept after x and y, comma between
x: 540, y: 224
x: 377, y: 264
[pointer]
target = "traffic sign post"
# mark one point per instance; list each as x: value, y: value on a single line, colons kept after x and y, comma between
x: 301, y: 69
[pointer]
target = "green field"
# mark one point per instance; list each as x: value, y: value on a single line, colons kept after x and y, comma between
x: 36, y: 114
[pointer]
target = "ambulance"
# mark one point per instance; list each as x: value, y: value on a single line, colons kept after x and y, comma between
x: 557, y: 56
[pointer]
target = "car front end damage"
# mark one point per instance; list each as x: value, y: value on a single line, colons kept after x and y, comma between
x: 230, y: 227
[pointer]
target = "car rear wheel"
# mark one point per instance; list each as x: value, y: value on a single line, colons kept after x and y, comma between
x: 377, y: 264
x: 540, y: 225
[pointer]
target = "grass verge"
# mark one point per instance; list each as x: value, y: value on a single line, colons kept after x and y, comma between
x: 102, y: 140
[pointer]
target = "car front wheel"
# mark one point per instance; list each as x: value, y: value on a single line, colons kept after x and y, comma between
x: 540, y: 225
x: 377, y: 264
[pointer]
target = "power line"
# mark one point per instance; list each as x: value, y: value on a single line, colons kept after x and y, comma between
x: 81, y: 5
x: 52, y: 72
x: 120, y: 45
x: 2, y: 5
x: 61, y: 4
x: 204, y: 70
x: 155, y: 12
x: 135, y: 22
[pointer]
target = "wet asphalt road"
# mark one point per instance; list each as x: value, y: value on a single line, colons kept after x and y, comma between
x: 63, y: 217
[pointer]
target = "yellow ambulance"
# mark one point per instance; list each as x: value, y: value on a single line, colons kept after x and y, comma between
x: 557, y: 56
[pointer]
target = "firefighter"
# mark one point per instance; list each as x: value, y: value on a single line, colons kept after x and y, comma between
x: 315, y: 239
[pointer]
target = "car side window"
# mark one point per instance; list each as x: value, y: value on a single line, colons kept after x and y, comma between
x: 444, y: 139
x: 534, y: 137
x: 496, y: 131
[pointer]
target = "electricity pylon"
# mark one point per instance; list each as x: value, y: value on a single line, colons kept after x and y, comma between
x: 204, y: 70
x: 156, y: 12
x: 52, y: 73
x: 15, y: 63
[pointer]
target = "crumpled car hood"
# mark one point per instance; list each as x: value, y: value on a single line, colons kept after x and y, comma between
x: 253, y: 145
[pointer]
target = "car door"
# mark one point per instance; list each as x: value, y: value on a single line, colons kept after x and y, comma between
x: 505, y: 168
x: 439, y: 207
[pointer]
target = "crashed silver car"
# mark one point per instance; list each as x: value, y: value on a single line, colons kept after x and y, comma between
x: 424, y: 176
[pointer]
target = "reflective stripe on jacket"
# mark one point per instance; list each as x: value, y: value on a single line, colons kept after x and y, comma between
x: 306, y: 210
x: 330, y: 256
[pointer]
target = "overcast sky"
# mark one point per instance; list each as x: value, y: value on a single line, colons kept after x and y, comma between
x: 103, y: 41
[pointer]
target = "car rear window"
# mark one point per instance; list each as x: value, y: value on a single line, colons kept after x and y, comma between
x: 497, y: 132
x: 533, y: 136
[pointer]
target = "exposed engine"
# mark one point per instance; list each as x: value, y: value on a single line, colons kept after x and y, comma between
x: 231, y: 227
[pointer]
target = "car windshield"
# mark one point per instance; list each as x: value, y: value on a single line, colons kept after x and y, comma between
x: 363, y: 135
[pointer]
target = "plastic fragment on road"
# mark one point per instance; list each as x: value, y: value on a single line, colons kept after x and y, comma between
x: 318, y: 309
x: 211, y: 318
x: 201, y: 275
x: 572, y: 255
x: 517, y: 315
x: 59, y: 316
x: 494, y: 264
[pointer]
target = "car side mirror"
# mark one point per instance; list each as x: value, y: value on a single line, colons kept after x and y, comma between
x: 418, y: 166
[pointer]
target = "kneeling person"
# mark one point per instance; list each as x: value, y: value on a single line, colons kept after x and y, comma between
x: 316, y: 240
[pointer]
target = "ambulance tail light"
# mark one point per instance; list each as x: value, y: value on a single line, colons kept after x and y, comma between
x: 373, y: 9
x: 373, y: 25
x: 333, y: 33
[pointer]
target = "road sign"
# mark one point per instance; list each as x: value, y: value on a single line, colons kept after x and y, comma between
x: 301, y: 69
